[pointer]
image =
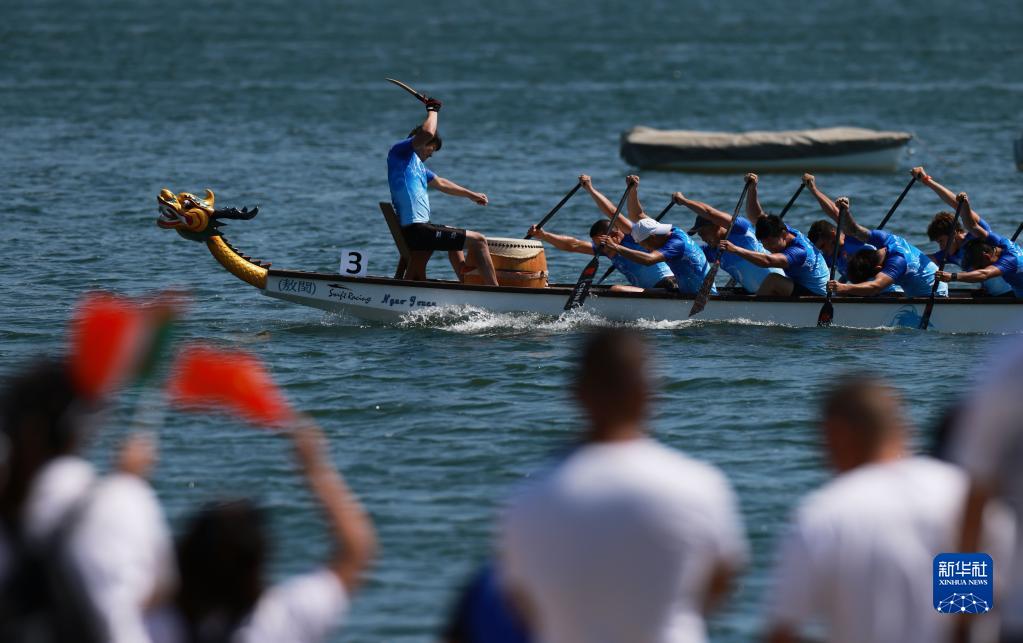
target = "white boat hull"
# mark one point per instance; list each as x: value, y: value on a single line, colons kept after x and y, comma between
x: 390, y: 300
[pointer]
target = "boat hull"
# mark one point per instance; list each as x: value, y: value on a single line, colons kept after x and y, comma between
x: 390, y: 300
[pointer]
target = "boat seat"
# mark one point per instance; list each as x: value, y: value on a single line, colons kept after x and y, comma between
x: 405, y: 256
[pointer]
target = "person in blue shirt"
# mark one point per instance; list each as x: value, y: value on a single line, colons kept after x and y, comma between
x: 784, y: 247
x: 886, y: 260
x: 408, y: 179
x: 661, y: 242
x: 991, y: 256
x: 640, y: 276
x: 941, y: 228
x: 711, y: 225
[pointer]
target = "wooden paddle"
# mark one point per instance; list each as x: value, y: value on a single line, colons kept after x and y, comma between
x: 556, y: 208
x: 925, y: 321
x: 582, y: 287
x: 1018, y: 230
x: 658, y: 218
x: 897, y: 203
x: 708, y: 282
x: 421, y: 97
x: 827, y: 310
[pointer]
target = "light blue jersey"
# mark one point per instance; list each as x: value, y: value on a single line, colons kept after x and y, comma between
x: 638, y: 274
x: 687, y: 262
x: 1010, y: 262
x: 408, y: 178
x: 747, y: 275
x: 906, y: 264
x: 806, y: 265
x: 996, y: 285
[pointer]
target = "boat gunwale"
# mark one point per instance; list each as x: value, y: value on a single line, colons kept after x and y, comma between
x: 965, y: 297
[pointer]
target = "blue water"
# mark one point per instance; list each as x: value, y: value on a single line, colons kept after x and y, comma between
x: 284, y: 106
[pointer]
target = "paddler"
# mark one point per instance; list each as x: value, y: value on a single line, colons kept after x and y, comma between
x: 408, y: 178
x: 661, y: 242
x: 785, y: 248
x: 657, y: 275
x: 941, y: 228
x: 711, y: 225
x: 991, y: 256
x: 889, y: 261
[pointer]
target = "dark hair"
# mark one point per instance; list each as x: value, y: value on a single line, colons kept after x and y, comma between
x: 610, y: 357
x: 770, y: 226
x: 973, y: 250
x: 599, y: 227
x: 865, y: 402
x: 820, y: 230
x: 863, y: 266
x: 941, y: 226
x: 220, y: 563
x: 41, y: 418
x: 435, y: 140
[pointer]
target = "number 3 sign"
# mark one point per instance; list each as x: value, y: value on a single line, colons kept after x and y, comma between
x: 353, y: 263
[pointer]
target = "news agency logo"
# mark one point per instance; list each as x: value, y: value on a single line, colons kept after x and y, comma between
x: 964, y: 583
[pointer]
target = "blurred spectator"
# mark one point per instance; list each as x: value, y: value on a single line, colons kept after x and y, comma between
x: 624, y: 540
x: 988, y: 442
x: 858, y: 556
x: 222, y: 555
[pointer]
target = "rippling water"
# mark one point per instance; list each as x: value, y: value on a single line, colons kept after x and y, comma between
x: 434, y: 421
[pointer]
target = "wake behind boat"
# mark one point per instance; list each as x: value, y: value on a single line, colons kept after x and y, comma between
x: 388, y: 299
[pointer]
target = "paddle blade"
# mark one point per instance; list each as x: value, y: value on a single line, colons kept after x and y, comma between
x: 701, y: 297
x: 925, y: 321
x: 582, y: 287
x: 231, y: 382
x: 826, y: 315
x: 107, y: 339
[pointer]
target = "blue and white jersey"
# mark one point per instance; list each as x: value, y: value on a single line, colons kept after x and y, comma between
x: 638, y: 274
x: 747, y: 275
x: 1010, y: 263
x: 687, y: 262
x: 906, y: 264
x: 408, y: 178
x: 806, y: 265
x: 994, y: 286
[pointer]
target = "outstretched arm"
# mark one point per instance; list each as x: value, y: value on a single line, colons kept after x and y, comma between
x: 864, y: 289
x: 971, y: 277
x: 849, y: 225
x: 604, y: 203
x: 354, y: 538
x: 720, y: 218
x: 971, y: 219
x: 827, y: 205
x: 561, y: 241
x: 753, y: 210
x: 762, y: 259
x: 645, y: 258
x: 636, y: 211
x: 454, y: 189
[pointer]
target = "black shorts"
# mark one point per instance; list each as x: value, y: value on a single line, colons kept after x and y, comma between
x: 668, y: 283
x: 426, y: 236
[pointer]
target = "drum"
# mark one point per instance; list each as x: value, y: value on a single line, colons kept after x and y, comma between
x: 518, y: 262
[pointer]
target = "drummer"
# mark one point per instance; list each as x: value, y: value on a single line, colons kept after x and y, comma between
x: 408, y: 179
x: 657, y: 275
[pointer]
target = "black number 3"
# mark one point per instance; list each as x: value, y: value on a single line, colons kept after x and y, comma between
x: 354, y: 260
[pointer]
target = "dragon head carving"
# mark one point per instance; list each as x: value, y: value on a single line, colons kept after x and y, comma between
x: 194, y: 218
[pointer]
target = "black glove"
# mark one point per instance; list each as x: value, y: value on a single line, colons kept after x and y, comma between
x: 433, y: 105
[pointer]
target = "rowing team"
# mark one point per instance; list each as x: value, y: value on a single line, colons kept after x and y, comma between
x: 763, y: 254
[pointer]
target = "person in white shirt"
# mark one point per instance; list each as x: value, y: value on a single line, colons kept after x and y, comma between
x: 222, y: 596
x: 988, y: 443
x: 858, y: 555
x: 625, y: 540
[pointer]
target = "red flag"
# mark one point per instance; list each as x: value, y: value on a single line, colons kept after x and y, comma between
x: 107, y: 335
x: 230, y: 381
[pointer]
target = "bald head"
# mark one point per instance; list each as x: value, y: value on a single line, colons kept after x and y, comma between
x: 863, y: 422
x: 612, y: 382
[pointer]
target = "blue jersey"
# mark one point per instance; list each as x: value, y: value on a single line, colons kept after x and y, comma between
x: 636, y: 273
x: 1010, y: 262
x: 407, y: 178
x: 745, y: 274
x: 806, y: 265
x: 907, y: 265
x: 994, y: 286
x: 687, y: 262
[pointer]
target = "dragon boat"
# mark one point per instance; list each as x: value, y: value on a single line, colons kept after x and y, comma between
x: 390, y: 299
